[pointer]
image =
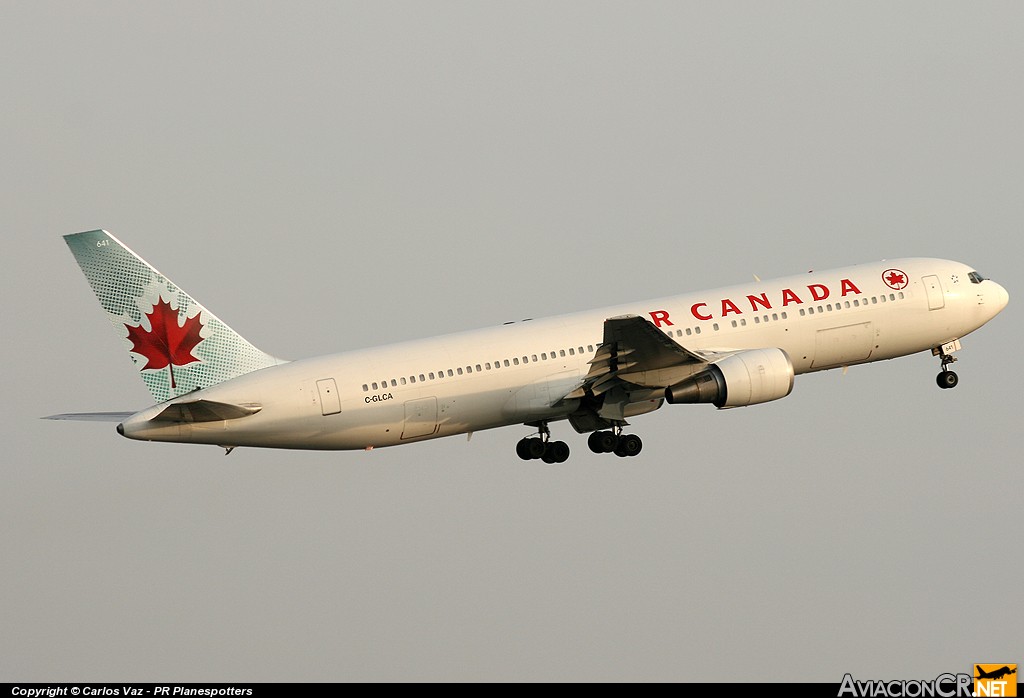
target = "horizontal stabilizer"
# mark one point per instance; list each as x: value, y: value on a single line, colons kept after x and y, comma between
x: 91, y: 416
x: 205, y: 411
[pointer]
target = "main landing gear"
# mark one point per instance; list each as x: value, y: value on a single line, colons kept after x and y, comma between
x: 614, y: 441
x: 542, y: 447
x: 947, y: 379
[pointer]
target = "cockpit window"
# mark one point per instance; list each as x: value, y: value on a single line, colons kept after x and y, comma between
x: 975, y: 277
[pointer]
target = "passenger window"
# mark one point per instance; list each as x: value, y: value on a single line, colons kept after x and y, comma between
x: 478, y: 369
x: 506, y: 363
x: 515, y: 360
x: 590, y: 347
x: 734, y: 323
x: 715, y: 327
x: 431, y: 375
x: 412, y: 379
x: 534, y: 358
x: 688, y: 332
x: 422, y: 379
x: 775, y: 316
x: 696, y: 330
x: 366, y: 388
x: 374, y: 386
x: 802, y: 313
x: 561, y: 352
x: 572, y: 352
x: 544, y: 356
x: 450, y: 373
x: 784, y: 316
x: 403, y: 380
x: 459, y: 370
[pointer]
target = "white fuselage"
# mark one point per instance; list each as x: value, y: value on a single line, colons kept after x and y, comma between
x: 519, y: 372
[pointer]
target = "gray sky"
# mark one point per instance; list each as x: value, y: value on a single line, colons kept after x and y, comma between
x: 334, y: 175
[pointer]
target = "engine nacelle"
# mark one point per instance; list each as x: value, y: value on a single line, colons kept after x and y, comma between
x: 745, y: 378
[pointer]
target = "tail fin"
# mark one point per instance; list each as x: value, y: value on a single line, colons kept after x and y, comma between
x: 177, y: 344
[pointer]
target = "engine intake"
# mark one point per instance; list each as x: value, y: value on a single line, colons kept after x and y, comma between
x: 745, y: 378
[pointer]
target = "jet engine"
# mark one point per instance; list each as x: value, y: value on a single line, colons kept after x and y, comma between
x: 744, y: 378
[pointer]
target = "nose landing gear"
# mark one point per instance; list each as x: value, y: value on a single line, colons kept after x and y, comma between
x: 947, y: 379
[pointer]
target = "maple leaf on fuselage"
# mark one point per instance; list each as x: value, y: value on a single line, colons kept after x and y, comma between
x: 895, y: 279
x: 166, y: 344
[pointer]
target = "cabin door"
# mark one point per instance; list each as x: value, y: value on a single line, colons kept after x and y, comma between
x: 330, y: 401
x: 934, y: 290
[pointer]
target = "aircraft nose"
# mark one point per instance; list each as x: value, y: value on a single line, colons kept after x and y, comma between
x: 1000, y: 297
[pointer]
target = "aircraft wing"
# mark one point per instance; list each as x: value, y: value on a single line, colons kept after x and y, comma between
x: 635, y: 354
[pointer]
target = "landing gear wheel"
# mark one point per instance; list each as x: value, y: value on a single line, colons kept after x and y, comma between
x: 530, y: 448
x: 536, y: 447
x: 541, y: 446
x: 561, y: 451
x: 629, y: 445
x: 603, y: 441
x: 947, y: 379
x: 556, y: 452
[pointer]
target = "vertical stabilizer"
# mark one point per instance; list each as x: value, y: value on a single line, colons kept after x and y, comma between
x: 176, y: 344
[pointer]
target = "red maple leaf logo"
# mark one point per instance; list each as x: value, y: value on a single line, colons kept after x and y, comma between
x: 166, y: 344
x: 895, y: 279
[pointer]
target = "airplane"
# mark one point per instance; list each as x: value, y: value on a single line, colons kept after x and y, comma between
x: 730, y: 347
x: 997, y: 674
